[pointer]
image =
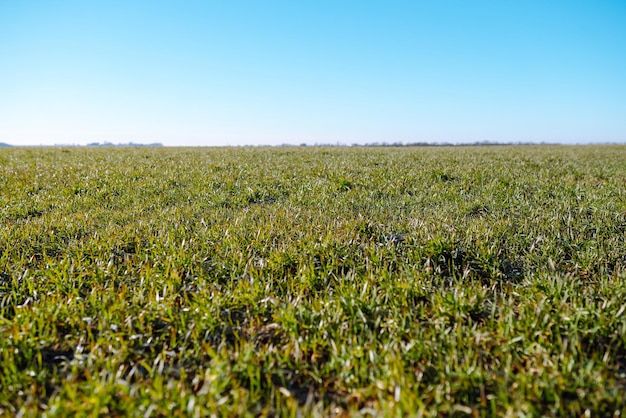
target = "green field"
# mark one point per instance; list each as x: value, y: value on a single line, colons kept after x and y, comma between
x: 443, y: 281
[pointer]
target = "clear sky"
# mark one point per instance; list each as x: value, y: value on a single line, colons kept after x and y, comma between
x: 271, y: 72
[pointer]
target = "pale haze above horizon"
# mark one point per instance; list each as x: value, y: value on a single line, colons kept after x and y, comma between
x: 212, y: 73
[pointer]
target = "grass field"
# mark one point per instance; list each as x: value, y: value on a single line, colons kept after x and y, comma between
x: 484, y: 281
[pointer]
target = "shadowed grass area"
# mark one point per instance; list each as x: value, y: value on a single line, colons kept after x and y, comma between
x: 321, y: 281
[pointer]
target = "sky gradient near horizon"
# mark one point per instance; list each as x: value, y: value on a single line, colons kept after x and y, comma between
x: 274, y: 72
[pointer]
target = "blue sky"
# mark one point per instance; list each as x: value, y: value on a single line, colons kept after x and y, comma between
x: 273, y: 72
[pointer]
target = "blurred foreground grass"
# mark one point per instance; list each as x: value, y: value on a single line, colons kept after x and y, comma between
x: 313, y: 281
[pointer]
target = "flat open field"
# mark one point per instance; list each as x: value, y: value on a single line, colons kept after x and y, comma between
x: 315, y: 281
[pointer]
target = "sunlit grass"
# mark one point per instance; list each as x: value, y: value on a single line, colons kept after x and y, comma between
x: 277, y: 281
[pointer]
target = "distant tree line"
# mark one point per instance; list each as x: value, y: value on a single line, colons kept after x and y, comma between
x: 450, y: 144
x: 425, y: 144
x: 130, y: 144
